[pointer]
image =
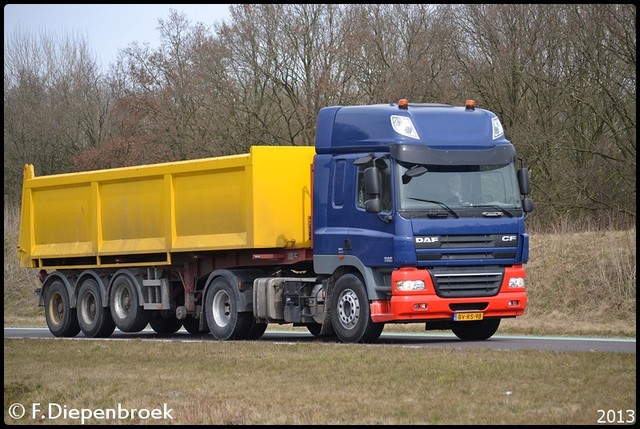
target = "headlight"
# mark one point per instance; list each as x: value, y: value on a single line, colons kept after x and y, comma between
x: 516, y: 282
x: 497, y: 127
x: 410, y: 285
x: 403, y: 125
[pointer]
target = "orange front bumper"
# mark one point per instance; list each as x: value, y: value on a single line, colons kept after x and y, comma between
x: 422, y: 306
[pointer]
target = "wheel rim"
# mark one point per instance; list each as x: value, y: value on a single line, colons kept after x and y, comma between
x: 122, y: 302
x: 88, y: 308
x: 348, y: 309
x: 56, y: 308
x: 221, y: 308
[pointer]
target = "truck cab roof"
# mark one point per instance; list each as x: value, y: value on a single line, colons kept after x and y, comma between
x: 345, y: 129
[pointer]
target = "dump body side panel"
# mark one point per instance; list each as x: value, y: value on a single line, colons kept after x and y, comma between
x: 142, y: 215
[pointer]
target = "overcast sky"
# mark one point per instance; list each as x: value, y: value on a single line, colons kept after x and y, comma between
x: 106, y: 27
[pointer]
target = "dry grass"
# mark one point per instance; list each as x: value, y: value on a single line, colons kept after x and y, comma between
x: 317, y: 383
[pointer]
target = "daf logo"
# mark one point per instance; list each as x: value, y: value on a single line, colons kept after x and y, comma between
x: 509, y: 238
x: 426, y: 240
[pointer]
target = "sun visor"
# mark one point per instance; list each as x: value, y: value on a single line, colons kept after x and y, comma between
x: 499, y: 154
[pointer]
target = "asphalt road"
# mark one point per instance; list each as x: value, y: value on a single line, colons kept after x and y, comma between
x: 430, y: 340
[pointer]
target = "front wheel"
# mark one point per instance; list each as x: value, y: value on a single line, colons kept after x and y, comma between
x: 350, y: 312
x: 62, y: 320
x: 476, y: 330
x: 314, y: 329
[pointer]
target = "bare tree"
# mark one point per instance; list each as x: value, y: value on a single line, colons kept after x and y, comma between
x: 54, y: 104
x: 562, y: 79
x: 161, y: 87
x: 283, y: 65
x: 398, y: 51
x: 603, y: 136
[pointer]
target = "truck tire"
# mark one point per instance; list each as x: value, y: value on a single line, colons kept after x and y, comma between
x: 223, y: 318
x: 94, y: 319
x: 256, y: 330
x: 350, y: 312
x: 192, y: 325
x: 314, y: 329
x: 61, y: 319
x: 127, y: 314
x: 475, y: 330
x: 165, y: 325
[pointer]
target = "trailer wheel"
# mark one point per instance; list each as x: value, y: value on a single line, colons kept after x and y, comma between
x: 475, y: 330
x: 94, y: 319
x: 125, y: 311
x: 165, y: 325
x: 350, y: 312
x: 223, y: 318
x: 61, y: 319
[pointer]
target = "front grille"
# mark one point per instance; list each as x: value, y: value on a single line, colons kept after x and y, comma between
x: 444, y: 256
x: 467, y: 282
x: 466, y: 247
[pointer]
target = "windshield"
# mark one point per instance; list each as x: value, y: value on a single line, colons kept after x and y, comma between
x: 428, y: 187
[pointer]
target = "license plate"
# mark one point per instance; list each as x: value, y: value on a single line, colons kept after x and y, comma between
x: 461, y: 317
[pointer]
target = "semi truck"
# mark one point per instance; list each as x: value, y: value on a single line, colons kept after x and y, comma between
x: 344, y: 237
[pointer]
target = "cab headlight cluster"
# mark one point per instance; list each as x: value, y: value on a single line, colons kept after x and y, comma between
x: 516, y: 282
x: 404, y: 126
x: 410, y: 285
x: 497, y: 128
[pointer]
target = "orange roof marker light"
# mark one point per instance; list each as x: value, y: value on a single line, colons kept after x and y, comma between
x: 470, y: 105
x: 403, y: 104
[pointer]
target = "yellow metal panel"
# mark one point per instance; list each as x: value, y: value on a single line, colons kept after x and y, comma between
x: 132, y: 215
x: 282, y: 195
x: 256, y: 200
x: 210, y: 208
x: 62, y: 221
x: 25, y: 231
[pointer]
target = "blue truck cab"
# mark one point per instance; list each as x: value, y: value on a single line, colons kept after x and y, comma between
x: 419, y: 216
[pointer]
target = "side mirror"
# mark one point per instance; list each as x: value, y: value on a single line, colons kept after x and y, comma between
x: 523, y: 181
x: 373, y: 205
x: 372, y: 185
x: 527, y: 205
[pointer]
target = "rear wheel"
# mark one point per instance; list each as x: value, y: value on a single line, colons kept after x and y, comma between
x: 126, y: 312
x: 223, y: 318
x: 192, y: 325
x: 350, y: 312
x: 476, y: 330
x: 94, y: 318
x: 61, y: 319
x: 165, y: 324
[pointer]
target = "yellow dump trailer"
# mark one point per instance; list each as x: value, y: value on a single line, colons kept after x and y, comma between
x: 145, y: 215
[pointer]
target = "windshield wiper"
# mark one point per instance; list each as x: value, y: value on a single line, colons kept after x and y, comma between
x: 494, y: 214
x: 440, y: 203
